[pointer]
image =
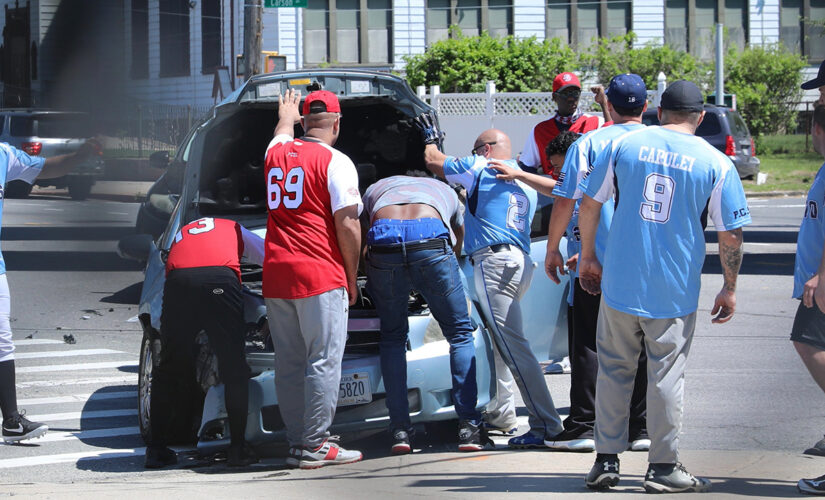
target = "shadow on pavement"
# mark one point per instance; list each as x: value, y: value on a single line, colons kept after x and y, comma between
x: 129, y: 295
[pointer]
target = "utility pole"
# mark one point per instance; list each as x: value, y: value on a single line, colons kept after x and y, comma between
x: 252, y: 26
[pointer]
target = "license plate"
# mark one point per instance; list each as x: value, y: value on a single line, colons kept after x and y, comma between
x: 354, y: 389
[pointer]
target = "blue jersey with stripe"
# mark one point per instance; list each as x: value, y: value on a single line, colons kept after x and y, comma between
x: 663, y: 180
x: 497, y: 211
x: 18, y: 165
x: 811, y: 238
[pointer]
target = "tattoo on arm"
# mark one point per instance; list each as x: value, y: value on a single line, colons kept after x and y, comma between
x: 731, y: 258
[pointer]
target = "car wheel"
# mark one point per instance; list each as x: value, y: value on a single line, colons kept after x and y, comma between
x: 80, y: 188
x: 17, y: 189
x: 149, y: 355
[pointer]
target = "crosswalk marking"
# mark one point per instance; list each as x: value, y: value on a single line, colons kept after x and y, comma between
x: 103, y: 381
x: 53, y: 436
x: 78, y: 415
x: 70, y: 457
x: 76, y: 367
x: 35, y: 341
x: 65, y: 354
x: 75, y: 398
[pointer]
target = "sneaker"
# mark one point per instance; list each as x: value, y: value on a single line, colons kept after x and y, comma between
x: 329, y: 453
x: 558, y: 367
x: 400, y: 442
x: 673, y: 479
x: 526, y: 441
x: 241, y: 456
x: 818, y: 449
x: 504, y: 430
x: 812, y: 486
x: 566, y: 442
x: 19, y: 428
x: 471, y: 437
x: 604, y: 474
x: 158, y: 457
x: 639, y: 444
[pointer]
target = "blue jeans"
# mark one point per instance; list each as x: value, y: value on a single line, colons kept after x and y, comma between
x: 435, y: 274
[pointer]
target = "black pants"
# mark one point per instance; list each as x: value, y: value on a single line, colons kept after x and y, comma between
x: 584, y: 368
x: 195, y: 299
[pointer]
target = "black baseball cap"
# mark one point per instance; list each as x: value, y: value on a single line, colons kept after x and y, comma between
x: 818, y: 81
x: 683, y: 95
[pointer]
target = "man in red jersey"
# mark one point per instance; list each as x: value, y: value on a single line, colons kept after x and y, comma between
x: 313, y: 238
x: 203, y: 292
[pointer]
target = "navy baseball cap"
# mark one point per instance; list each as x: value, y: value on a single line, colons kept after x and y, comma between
x: 627, y: 91
x: 683, y: 95
x: 818, y: 81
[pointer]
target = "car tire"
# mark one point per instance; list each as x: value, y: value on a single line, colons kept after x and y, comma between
x: 17, y: 189
x: 185, y: 416
x: 80, y: 188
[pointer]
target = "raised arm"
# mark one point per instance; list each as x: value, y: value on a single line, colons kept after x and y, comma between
x: 544, y: 184
x: 288, y: 114
x: 58, y: 166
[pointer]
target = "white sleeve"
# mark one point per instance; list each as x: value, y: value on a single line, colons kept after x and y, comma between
x: 530, y: 153
x: 342, y: 182
x: 253, y: 247
x: 278, y: 139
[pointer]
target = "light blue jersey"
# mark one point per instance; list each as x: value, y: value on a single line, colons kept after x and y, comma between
x: 811, y: 238
x: 18, y: 165
x: 497, y: 211
x: 662, y: 180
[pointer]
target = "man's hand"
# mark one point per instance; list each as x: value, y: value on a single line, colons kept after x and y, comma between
x: 288, y: 104
x: 92, y: 147
x: 352, y: 291
x: 725, y: 305
x: 430, y: 133
x: 808, y: 291
x: 590, y: 275
x: 599, y: 96
x: 553, y: 264
x: 505, y: 172
x: 572, y: 263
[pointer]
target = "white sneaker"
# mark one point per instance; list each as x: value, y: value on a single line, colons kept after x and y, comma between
x: 558, y: 367
x: 642, y: 444
x: 328, y: 453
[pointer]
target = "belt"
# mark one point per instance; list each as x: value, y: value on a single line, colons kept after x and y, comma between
x: 498, y: 247
x: 431, y: 244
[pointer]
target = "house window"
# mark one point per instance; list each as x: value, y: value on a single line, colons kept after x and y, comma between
x: 703, y: 45
x: 676, y: 19
x: 472, y: 16
x: 557, y: 20
x: 816, y: 34
x: 140, y: 39
x: 347, y: 32
x: 736, y: 21
x: 690, y: 25
x: 587, y: 23
x: 796, y: 31
x: 581, y: 22
x: 174, y: 38
x: 210, y: 35
x: 618, y: 18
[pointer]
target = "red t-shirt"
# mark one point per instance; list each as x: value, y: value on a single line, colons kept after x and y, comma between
x: 207, y: 242
x: 547, y: 130
x: 302, y: 256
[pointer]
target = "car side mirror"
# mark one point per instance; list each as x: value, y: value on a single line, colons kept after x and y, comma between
x: 159, y: 159
x: 135, y: 247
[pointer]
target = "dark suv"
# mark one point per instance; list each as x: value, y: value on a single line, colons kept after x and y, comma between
x: 50, y: 133
x: 725, y: 130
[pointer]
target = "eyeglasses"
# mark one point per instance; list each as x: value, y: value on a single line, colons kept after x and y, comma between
x: 568, y: 94
x: 473, y: 151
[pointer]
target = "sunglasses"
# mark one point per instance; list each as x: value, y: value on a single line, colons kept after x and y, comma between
x: 473, y: 151
x: 567, y: 94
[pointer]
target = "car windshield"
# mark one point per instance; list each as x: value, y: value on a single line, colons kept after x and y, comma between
x: 51, y: 126
x: 709, y: 126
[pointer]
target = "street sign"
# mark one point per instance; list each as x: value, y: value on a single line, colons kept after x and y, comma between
x: 284, y: 3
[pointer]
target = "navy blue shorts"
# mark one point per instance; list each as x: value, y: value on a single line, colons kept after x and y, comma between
x: 809, y: 326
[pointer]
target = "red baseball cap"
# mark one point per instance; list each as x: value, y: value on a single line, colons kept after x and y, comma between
x: 565, y: 79
x: 321, y: 101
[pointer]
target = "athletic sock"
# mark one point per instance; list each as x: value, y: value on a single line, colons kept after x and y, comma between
x: 606, y: 456
x: 236, y: 397
x: 8, y: 390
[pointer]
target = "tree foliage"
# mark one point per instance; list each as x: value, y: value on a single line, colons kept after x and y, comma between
x: 466, y: 64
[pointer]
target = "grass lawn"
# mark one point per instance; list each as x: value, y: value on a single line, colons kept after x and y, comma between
x: 786, y: 172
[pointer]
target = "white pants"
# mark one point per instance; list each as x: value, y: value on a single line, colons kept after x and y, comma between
x: 6, y: 344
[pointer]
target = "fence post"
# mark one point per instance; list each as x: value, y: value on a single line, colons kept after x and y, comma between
x: 489, y: 108
x: 140, y: 131
x: 421, y: 90
x: 661, y: 85
x: 435, y: 92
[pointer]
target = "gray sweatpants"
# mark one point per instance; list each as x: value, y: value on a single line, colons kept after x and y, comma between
x: 309, y: 335
x: 501, y: 280
x: 620, y: 338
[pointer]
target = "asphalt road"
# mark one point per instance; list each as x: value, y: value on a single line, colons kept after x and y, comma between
x: 746, y: 389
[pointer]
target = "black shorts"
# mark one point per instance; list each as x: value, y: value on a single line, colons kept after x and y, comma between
x: 809, y: 326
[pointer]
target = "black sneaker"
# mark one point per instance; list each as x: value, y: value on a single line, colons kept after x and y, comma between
x: 604, y: 474
x: 158, y: 457
x: 19, y: 428
x: 471, y: 437
x: 240, y: 456
x: 400, y: 442
x: 673, y: 479
x: 817, y: 449
x: 814, y: 486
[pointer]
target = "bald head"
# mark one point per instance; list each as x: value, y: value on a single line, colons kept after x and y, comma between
x: 323, y: 126
x: 497, y: 145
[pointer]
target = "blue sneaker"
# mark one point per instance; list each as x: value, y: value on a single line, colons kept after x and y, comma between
x: 527, y: 441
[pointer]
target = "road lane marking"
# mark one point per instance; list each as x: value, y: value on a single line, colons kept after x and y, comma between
x: 76, y: 367
x: 82, y: 415
x: 36, y: 342
x: 65, y: 354
x: 75, y: 398
x: 10, y: 463
x: 104, y: 381
x: 52, y: 436
x: 53, y: 210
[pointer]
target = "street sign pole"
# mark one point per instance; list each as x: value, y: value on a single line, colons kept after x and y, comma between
x: 252, y: 26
